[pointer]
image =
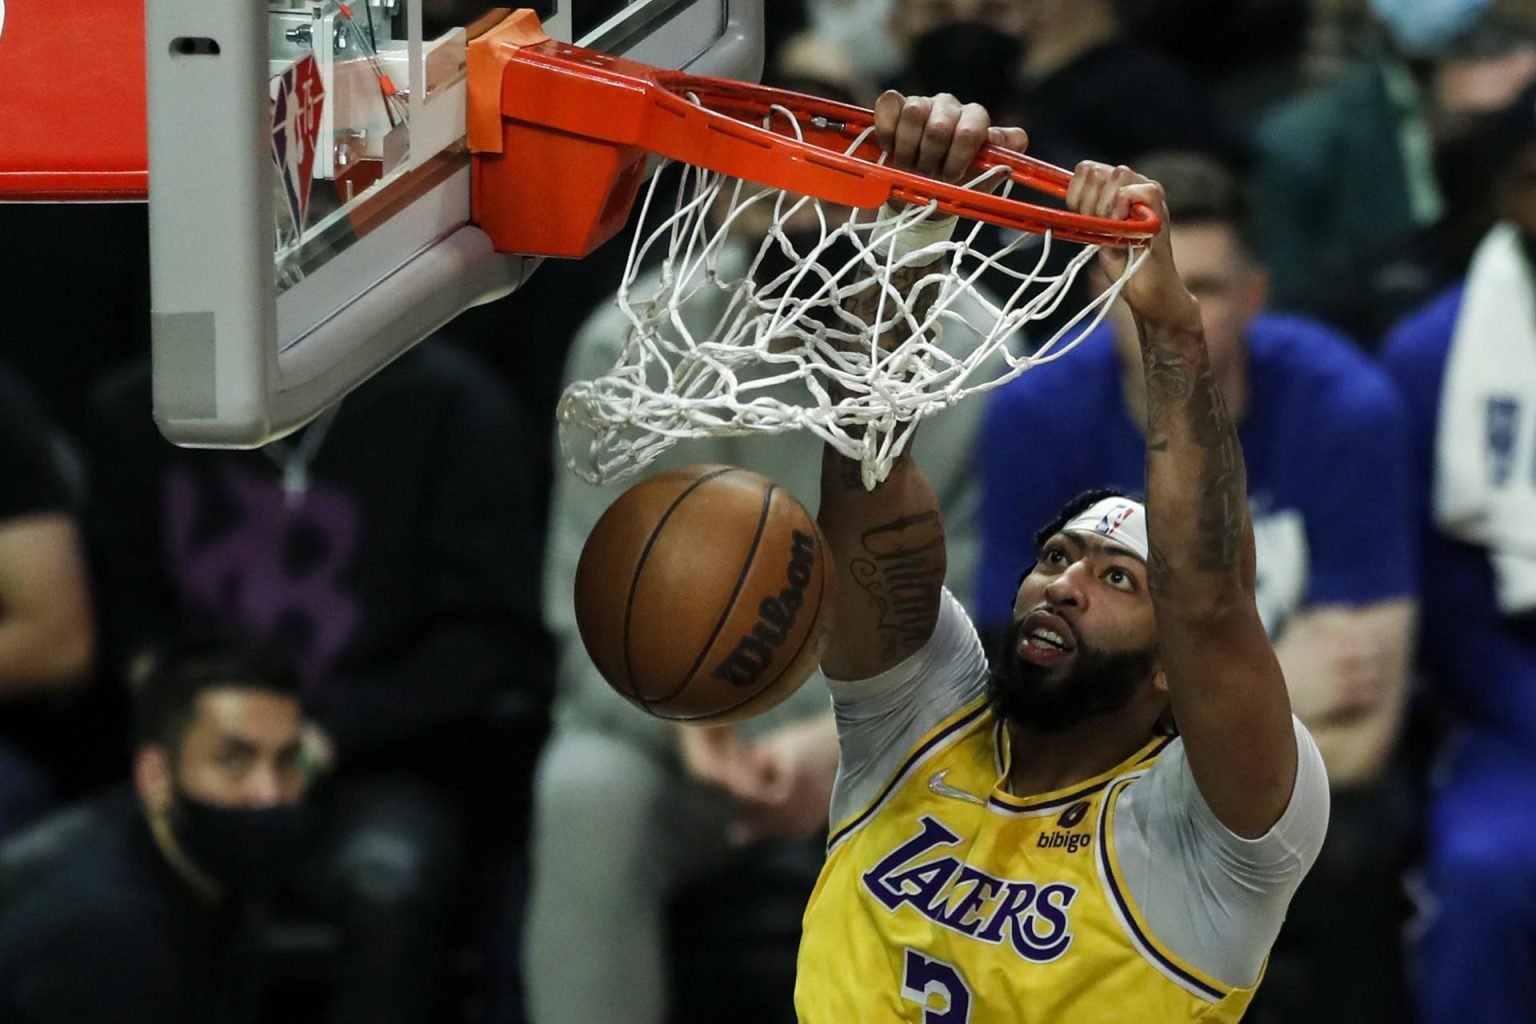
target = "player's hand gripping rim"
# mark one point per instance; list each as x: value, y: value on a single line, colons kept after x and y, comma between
x: 1155, y: 293
x: 938, y: 136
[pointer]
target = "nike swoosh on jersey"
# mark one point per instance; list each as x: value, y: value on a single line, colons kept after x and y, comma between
x: 939, y: 787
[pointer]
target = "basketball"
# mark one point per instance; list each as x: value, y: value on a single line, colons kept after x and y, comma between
x: 701, y: 594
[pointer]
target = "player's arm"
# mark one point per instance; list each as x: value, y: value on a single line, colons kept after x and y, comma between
x: 1228, y: 693
x: 1348, y: 670
x: 887, y: 545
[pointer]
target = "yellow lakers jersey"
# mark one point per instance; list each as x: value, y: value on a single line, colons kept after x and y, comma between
x: 949, y: 901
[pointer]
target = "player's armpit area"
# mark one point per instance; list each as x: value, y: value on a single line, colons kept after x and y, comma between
x: 1291, y: 844
x: 882, y: 719
x: 1212, y: 897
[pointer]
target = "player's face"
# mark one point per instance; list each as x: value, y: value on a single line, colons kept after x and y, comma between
x: 1083, y: 636
x: 1082, y: 591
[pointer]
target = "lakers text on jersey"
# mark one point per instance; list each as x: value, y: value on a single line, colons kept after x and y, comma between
x: 950, y: 901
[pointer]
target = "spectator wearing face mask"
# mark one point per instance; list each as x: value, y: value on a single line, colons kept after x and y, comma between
x: 1345, y: 174
x: 1066, y: 69
x: 387, y: 547
x: 1247, y: 54
x: 971, y: 48
x: 145, y: 911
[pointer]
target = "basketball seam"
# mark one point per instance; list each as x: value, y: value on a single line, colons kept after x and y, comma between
x: 730, y: 604
x: 821, y: 593
x: 634, y: 581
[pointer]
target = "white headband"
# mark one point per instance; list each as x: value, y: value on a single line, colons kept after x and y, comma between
x: 1120, y: 520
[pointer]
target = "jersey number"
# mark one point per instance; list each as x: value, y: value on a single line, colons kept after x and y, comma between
x: 924, y: 977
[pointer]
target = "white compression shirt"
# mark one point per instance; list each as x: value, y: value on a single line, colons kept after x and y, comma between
x: 1213, y: 897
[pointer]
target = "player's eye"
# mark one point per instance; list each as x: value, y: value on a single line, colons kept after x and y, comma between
x: 1054, y: 555
x: 1119, y: 578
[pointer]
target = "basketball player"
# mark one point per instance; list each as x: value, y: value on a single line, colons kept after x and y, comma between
x: 1104, y: 819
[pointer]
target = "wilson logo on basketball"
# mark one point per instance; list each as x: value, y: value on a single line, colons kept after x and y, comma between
x: 776, y: 617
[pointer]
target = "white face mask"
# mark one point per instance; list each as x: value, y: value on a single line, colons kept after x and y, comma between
x: 1425, y: 27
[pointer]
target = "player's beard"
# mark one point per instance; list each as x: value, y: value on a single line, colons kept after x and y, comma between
x: 1098, y: 684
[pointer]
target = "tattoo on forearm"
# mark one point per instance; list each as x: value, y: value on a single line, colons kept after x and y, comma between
x: 1223, y: 504
x: 1185, y: 405
x: 1170, y: 381
x: 867, y: 303
x: 901, y: 569
x: 1158, y: 570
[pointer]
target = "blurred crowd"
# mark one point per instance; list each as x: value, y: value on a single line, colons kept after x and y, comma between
x: 307, y: 734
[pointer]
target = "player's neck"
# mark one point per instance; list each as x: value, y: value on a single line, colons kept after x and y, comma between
x: 1046, y: 762
x: 1054, y: 46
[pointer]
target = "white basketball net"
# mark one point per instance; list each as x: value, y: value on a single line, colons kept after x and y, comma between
x: 862, y: 397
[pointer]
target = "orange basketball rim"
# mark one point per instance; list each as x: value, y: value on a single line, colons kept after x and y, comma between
x: 560, y: 136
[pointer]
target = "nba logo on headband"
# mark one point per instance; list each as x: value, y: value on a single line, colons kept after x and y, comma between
x: 1114, y: 519
x: 1119, y: 519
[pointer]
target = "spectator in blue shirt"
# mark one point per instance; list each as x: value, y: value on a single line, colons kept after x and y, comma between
x: 1466, y: 365
x: 1325, y: 441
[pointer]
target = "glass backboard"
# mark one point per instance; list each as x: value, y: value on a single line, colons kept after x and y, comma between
x: 309, y: 187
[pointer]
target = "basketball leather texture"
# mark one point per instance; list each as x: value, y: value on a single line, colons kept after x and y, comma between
x: 701, y: 594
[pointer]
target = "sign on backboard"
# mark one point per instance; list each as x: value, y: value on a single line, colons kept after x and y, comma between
x: 310, y: 192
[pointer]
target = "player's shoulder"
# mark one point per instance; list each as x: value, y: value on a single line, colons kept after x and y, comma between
x: 1172, y: 796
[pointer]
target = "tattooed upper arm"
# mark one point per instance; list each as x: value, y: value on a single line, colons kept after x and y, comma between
x: 899, y: 566
x: 887, y: 543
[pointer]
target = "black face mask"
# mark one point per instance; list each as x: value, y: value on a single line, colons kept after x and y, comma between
x: 248, y: 850
x: 1098, y: 684
x: 970, y: 59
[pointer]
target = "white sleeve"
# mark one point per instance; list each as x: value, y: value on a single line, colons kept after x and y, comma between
x: 880, y: 719
x: 1210, y: 896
